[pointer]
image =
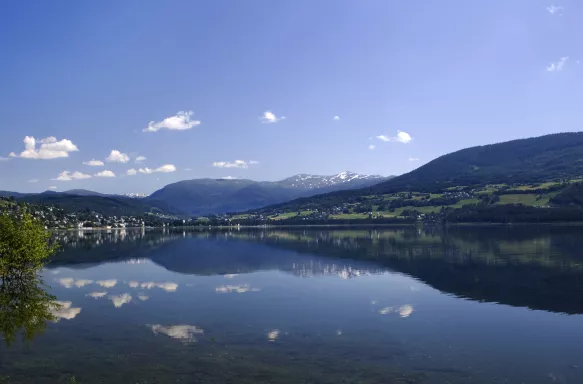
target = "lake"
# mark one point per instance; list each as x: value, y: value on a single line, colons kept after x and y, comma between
x: 390, y: 305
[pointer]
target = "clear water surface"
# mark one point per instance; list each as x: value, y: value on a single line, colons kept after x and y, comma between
x: 397, y: 305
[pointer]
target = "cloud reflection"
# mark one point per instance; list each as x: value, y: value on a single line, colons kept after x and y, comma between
x: 403, y: 311
x: 184, y: 333
x: 81, y: 283
x: 96, y: 295
x: 386, y: 310
x: 230, y: 275
x: 273, y: 335
x: 107, y: 283
x: 236, y: 288
x: 63, y: 310
x: 168, y: 286
x: 69, y: 282
x: 120, y: 300
x: 144, y: 297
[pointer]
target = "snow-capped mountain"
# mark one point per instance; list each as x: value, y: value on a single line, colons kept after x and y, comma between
x: 306, y: 181
x: 134, y: 195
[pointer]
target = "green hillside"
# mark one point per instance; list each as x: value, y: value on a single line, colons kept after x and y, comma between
x: 539, y: 178
x: 534, y: 160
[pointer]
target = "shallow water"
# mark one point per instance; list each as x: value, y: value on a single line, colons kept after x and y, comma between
x: 402, y: 305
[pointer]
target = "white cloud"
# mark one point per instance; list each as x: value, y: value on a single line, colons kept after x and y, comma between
x: 234, y: 164
x: 33, y: 181
x: 336, y: 118
x: 402, y: 137
x: 118, y: 157
x: 555, y: 9
x: 558, y: 65
x: 49, y: 148
x: 229, y: 178
x: 179, y: 122
x: 188, y: 169
x: 52, y: 188
x: 106, y: 173
x: 270, y: 117
x: 167, y: 168
x: 68, y: 176
x: 371, y: 147
x: 94, y: 163
x: 413, y: 159
x: 140, y: 159
x: 131, y: 172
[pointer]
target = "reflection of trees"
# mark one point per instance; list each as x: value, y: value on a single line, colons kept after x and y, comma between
x: 25, y: 307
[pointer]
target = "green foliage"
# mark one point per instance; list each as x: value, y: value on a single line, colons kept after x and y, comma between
x: 24, y: 245
x: 24, y: 248
x: 570, y: 196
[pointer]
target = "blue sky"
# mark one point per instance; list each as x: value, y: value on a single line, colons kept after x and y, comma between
x: 187, y: 84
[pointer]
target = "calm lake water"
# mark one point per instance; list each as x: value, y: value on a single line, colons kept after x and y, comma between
x: 398, y: 305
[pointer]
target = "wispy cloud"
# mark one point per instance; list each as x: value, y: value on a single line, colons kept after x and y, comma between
x: 132, y: 172
x: 336, y: 118
x: 94, y: 163
x: 4, y: 158
x: 167, y: 168
x: 234, y: 164
x: 413, y: 159
x: 49, y: 148
x: 270, y: 117
x: 179, y: 122
x: 106, y: 173
x: 117, y: 157
x: 402, y: 137
x: 555, y: 9
x: 228, y: 178
x: 140, y: 159
x: 69, y: 176
x: 33, y: 181
x: 52, y: 188
x: 371, y: 147
x: 558, y: 65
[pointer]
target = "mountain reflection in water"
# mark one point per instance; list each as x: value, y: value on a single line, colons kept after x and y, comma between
x: 535, y: 267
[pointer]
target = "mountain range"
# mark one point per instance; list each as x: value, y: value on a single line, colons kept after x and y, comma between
x: 211, y: 196
x: 202, y: 196
x: 556, y: 157
x: 528, y: 161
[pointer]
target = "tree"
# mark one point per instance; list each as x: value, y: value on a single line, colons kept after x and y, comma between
x: 24, y: 248
x: 24, y: 245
